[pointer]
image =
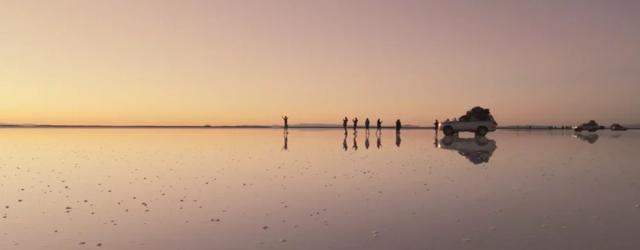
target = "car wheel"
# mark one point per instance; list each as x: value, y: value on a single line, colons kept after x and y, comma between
x: 448, y: 130
x: 482, y: 131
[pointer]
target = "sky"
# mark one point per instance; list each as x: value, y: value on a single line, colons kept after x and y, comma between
x: 250, y: 62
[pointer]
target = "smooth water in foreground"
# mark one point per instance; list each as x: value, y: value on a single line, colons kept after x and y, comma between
x: 244, y: 189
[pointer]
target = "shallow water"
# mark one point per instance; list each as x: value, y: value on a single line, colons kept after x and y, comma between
x: 243, y: 189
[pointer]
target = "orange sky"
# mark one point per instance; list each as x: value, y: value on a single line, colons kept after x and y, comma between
x: 248, y: 62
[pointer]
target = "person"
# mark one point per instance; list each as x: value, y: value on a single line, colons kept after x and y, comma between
x: 398, y: 126
x: 344, y: 123
x: 286, y: 122
x: 355, y: 124
x: 436, y: 125
x: 366, y: 124
x: 379, y: 125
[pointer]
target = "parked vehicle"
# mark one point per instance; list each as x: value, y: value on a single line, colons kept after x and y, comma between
x: 478, y: 120
x: 617, y: 127
x: 591, y: 126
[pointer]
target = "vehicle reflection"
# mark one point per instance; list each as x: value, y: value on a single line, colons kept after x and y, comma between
x: 477, y: 150
x: 590, y: 138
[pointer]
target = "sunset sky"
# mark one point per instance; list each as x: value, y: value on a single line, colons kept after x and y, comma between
x: 249, y: 62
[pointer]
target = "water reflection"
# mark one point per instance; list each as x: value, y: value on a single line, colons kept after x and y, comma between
x: 344, y: 142
x: 590, y: 138
x: 286, y: 141
x: 477, y: 150
x: 398, y: 140
x: 378, y: 140
x: 366, y: 140
x: 355, y: 140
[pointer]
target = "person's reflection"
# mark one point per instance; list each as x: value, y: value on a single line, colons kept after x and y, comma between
x: 590, y: 138
x: 477, y: 150
x: 378, y: 140
x: 355, y: 142
x: 286, y: 141
x: 366, y: 141
x: 344, y: 142
x: 398, y: 140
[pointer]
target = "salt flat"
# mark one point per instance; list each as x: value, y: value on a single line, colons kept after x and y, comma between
x: 246, y: 189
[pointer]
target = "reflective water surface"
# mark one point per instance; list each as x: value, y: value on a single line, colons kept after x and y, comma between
x: 317, y: 189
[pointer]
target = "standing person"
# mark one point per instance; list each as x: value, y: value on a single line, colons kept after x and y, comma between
x: 436, y: 125
x: 344, y: 124
x: 398, y: 126
x: 286, y: 122
x: 366, y: 125
x: 355, y: 124
x: 379, y: 125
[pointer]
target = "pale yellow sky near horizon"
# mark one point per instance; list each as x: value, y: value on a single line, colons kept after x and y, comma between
x: 249, y: 62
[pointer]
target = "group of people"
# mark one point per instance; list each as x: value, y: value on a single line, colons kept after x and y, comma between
x: 367, y: 124
x: 355, y: 120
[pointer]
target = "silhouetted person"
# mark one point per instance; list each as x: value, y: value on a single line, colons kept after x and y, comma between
x: 344, y: 124
x: 355, y: 142
x: 398, y: 126
x: 286, y: 122
x: 378, y: 141
x: 379, y: 125
x: 355, y: 124
x: 286, y: 142
x: 398, y: 139
x: 344, y: 142
x: 366, y: 141
x: 366, y: 124
x: 436, y: 125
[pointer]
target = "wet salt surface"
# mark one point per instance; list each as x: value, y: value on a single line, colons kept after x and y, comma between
x: 246, y: 189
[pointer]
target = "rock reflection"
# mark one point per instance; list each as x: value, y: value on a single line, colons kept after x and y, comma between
x: 590, y: 138
x: 477, y: 150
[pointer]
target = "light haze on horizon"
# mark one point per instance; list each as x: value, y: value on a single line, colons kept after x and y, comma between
x: 249, y: 62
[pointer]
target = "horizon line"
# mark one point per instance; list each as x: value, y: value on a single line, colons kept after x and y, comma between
x: 248, y: 126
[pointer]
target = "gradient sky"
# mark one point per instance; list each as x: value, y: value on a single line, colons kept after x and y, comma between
x: 248, y: 62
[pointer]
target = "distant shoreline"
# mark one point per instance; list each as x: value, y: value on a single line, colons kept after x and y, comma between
x: 250, y: 127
